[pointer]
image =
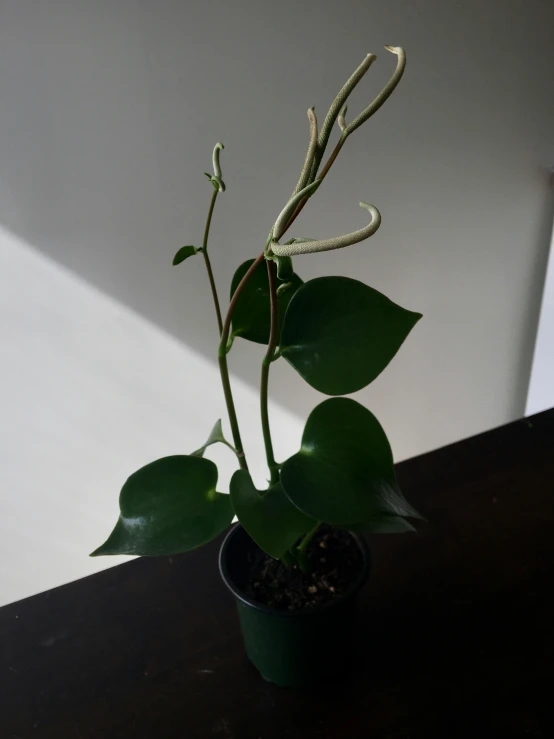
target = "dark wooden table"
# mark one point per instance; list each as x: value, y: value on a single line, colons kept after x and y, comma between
x: 457, y: 636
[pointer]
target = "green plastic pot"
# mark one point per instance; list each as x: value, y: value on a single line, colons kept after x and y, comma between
x: 292, y: 648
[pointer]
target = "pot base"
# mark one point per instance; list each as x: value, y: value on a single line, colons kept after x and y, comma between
x: 292, y: 648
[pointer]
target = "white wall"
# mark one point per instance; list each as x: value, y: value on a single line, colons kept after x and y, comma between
x: 541, y: 385
x: 109, y: 112
x: 90, y: 392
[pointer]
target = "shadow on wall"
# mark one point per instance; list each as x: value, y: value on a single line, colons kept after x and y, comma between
x: 91, y: 391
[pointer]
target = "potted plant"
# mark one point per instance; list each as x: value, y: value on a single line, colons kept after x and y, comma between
x: 296, y: 560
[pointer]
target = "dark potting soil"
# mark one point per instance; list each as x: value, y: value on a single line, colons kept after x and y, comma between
x: 335, y: 563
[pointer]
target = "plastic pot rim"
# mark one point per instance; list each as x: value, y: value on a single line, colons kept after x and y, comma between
x: 355, y: 586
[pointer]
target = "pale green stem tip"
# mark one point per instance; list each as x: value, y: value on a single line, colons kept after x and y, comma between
x: 288, y: 210
x: 339, y: 242
x: 385, y: 93
x: 217, y: 178
x: 340, y: 119
x: 304, y: 178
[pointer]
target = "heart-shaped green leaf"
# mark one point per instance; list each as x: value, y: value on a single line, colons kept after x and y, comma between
x: 270, y: 518
x: 252, y: 314
x: 168, y: 507
x: 340, y: 334
x: 344, y: 471
x: 184, y: 253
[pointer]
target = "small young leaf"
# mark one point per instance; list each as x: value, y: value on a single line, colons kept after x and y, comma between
x: 272, y: 521
x: 340, y: 334
x: 285, y: 270
x: 184, y: 253
x: 252, y: 314
x: 344, y: 472
x: 216, y: 435
x: 167, y: 507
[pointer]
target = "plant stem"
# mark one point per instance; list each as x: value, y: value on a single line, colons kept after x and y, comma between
x: 224, y: 368
x: 240, y: 287
x: 288, y: 559
x: 302, y: 549
x: 321, y: 176
x: 223, y: 348
x: 222, y: 352
x: 233, y: 420
x: 334, y: 155
x: 208, y: 263
x: 225, y: 380
x: 264, y: 383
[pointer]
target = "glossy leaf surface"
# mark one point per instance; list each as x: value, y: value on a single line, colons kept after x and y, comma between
x: 252, y: 316
x: 272, y: 521
x: 167, y: 507
x: 184, y: 253
x: 340, y: 334
x: 344, y: 472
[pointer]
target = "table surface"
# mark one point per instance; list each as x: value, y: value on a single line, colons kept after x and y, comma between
x: 457, y: 636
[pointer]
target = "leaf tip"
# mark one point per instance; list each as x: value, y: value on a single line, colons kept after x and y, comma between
x: 110, y: 546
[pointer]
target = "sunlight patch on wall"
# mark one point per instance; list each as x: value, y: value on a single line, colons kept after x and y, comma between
x: 541, y: 386
x: 90, y: 392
